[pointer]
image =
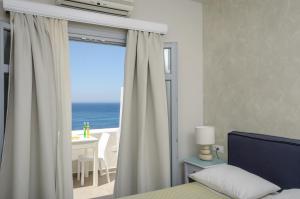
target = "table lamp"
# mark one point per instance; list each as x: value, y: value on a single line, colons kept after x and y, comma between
x: 205, y: 137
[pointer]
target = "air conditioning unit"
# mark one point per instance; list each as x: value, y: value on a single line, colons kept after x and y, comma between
x: 115, y: 7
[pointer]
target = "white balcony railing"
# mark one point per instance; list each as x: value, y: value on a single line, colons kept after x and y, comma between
x: 95, y: 132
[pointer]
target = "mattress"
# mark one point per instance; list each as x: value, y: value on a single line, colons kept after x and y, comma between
x: 193, y: 190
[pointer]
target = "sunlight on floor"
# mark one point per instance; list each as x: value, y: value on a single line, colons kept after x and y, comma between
x: 103, y: 191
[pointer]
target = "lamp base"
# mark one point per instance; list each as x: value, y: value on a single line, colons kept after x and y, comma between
x: 205, y: 157
x: 205, y: 153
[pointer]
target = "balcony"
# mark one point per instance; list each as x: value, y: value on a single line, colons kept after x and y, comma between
x: 104, y: 189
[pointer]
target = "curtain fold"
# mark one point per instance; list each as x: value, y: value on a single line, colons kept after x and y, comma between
x: 37, y: 147
x: 144, y: 151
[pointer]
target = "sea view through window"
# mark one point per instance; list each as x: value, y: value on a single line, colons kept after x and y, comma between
x: 99, y: 115
x: 97, y: 72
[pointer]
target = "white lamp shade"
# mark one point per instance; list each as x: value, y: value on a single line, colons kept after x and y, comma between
x: 205, y: 135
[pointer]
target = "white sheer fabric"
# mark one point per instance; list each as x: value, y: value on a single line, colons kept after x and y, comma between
x: 144, y: 154
x: 37, y: 148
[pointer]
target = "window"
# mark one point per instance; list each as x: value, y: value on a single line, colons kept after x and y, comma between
x: 170, y: 57
x: 4, y: 77
x: 167, y: 57
x: 97, y: 72
x: 6, y: 46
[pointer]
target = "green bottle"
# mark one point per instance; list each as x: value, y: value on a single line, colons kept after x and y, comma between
x: 88, y: 130
x: 84, y: 130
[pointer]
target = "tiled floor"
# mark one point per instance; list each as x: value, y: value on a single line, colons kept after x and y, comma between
x: 103, y: 191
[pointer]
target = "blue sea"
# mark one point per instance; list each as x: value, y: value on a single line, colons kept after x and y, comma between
x: 99, y: 115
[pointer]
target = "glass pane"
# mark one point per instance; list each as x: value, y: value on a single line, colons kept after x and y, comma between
x: 169, y: 100
x: 97, y: 72
x: 5, y: 107
x: 6, y: 46
x: 167, y: 56
x: 6, y: 77
x: 168, y: 88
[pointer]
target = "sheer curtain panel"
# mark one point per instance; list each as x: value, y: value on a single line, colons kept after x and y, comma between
x: 144, y: 153
x: 37, y: 148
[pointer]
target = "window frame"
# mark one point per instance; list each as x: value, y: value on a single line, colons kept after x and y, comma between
x: 172, y: 77
x: 4, y: 68
x: 101, y: 35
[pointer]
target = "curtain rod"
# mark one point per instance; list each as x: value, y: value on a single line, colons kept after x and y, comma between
x: 69, y: 14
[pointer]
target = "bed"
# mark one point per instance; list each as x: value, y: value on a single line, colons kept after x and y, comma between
x: 273, y: 158
x: 187, y: 191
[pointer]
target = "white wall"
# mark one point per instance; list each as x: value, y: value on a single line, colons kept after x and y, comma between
x: 184, y: 18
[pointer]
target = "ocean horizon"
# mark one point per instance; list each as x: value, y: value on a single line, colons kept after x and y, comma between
x: 99, y: 115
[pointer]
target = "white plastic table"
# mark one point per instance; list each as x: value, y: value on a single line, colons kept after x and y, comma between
x: 88, y: 143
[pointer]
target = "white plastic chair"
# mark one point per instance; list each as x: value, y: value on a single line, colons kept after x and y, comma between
x: 102, y: 146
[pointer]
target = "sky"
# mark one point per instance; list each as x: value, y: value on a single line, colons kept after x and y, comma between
x: 97, y: 71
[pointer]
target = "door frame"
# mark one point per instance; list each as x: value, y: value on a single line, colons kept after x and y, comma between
x: 172, y: 77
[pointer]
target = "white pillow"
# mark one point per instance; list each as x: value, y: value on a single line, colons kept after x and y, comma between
x: 286, y: 194
x: 234, y: 182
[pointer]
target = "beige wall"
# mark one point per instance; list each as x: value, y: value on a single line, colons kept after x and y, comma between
x: 252, y: 66
x: 184, y: 18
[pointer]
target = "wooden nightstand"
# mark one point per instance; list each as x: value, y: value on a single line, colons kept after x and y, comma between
x: 194, y: 164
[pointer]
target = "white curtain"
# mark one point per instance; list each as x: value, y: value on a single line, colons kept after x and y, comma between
x: 144, y: 153
x: 37, y: 147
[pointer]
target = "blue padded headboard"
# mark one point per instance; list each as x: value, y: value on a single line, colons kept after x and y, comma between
x: 273, y: 158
